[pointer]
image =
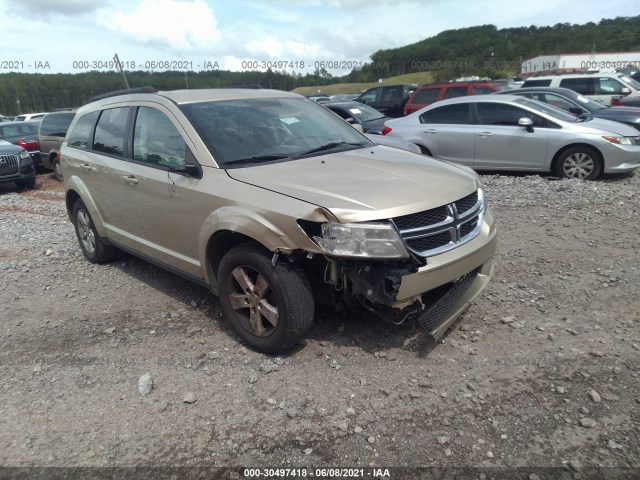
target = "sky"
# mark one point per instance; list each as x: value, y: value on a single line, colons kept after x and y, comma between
x: 72, y: 36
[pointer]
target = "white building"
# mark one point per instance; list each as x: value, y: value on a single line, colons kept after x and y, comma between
x: 579, y: 62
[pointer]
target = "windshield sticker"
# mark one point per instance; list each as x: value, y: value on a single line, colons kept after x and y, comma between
x: 289, y: 120
x: 355, y: 111
x: 582, y: 99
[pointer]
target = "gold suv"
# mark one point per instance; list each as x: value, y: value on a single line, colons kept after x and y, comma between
x: 277, y: 205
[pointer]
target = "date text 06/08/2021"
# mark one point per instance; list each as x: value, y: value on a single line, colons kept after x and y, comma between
x: 324, y: 472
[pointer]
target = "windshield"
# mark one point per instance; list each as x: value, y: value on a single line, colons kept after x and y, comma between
x: 365, y: 113
x: 589, y: 104
x: 630, y: 81
x: 269, y: 129
x: 546, y: 109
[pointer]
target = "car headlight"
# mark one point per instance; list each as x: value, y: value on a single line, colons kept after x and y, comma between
x: 24, y: 155
x: 623, y: 140
x: 361, y: 240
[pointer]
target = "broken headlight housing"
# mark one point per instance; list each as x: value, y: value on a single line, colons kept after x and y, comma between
x: 362, y: 240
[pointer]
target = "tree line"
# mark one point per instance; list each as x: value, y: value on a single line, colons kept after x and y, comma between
x: 482, y: 50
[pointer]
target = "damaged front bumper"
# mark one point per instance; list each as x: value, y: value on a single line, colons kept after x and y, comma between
x: 434, y: 294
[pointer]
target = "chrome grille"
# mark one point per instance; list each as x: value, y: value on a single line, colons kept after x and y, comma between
x: 9, y: 164
x: 440, y: 229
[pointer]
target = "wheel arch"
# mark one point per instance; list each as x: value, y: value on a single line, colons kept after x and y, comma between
x: 558, y: 154
x: 77, y: 191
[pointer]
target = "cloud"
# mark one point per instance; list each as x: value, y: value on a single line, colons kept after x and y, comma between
x: 172, y: 25
x: 47, y: 9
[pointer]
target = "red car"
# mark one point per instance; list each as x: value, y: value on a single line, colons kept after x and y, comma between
x: 428, y: 94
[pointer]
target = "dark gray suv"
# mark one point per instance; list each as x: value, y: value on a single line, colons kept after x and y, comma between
x: 51, y: 133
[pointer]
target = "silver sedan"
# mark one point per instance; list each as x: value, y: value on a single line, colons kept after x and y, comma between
x: 515, y: 133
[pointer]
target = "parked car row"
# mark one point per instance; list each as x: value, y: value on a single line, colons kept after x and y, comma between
x: 509, y: 132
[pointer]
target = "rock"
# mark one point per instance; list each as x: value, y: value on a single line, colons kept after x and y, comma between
x: 343, y: 426
x: 271, y: 401
x: 489, y: 454
x: 48, y: 252
x: 507, y: 320
x: 253, y: 380
x: 471, y: 387
x: 192, y: 331
x: 550, y: 337
x: 533, y: 476
x: 212, y: 355
x: 596, y: 353
x: 448, y: 452
x: 189, y: 398
x: 145, y: 384
x: 588, y: 422
x: 350, y: 412
x: 574, y: 465
x: 393, y: 355
x: 358, y: 429
x: 371, y: 439
x: 39, y: 368
x: 595, y: 396
x: 307, y: 451
x: 572, y: 331
x: 443, y: 440
x: 561, y: 390
x: 109, y: 330
x: 614, y: 446
x: 584, y: 410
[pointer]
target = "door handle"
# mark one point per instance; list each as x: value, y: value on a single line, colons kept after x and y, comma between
x: 86, y: 167
x: 485, y: 134
x: 430, y: 130
x: 130, y: 179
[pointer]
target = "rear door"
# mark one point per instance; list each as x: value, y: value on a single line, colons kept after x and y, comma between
x: 501, y: 143
x: 448, y: 133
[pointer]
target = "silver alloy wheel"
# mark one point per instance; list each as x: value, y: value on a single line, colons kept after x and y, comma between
x: 253, y: 301
x: 578, y: 165
x: 86, y: 232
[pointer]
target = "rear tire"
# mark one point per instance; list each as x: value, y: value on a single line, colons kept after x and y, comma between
x: 57, y: 171
x: 270, y: 308
x: 92, y: 245
x: 579, y: 162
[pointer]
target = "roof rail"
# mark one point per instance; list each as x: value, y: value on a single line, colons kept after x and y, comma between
x: 124, y: 92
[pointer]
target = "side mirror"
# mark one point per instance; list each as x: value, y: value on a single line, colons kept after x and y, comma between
x: 527, y: 123
x: 625, y: 91
x: 350, y: 120
x: 576, y: 110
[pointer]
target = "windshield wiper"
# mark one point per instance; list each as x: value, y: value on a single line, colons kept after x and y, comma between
x: 257, y: 159
x: 330, y: 146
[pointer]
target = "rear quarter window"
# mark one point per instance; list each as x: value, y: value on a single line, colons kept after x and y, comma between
x: 80, y: 136
x: 426, y: 96
x: 56, y: 125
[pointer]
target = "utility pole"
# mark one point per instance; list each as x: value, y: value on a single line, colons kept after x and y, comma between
x: 119, y: 67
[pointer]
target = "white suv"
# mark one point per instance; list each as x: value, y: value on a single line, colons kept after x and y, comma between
x: 601, y: 87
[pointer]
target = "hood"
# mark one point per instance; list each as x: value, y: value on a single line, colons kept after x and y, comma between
x: 609, y: 126
x: 365, y: 184
x: 619, y: 113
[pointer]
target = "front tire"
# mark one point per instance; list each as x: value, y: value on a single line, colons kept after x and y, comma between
x: 22, y: 184
x: 579, y: 162
x: 270, y: 308
x: 92, y: 245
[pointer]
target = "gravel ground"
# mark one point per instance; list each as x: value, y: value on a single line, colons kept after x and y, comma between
x: 541, y: 371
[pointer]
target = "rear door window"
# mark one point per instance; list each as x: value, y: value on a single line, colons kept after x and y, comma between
x: 580, y: 85
x: 110, y: 131
x: 449, y: 114
x: 505, y: 115
x: 426, y: 96
x: 455, y: 92
x: 607, y: 86
x: 56, y: 125
x: 80, y: 136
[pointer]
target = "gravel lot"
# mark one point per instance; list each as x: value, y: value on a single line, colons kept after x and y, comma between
x: 542, y: 370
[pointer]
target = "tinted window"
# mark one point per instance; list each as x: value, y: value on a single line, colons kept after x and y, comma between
x: 537, y: 83
x: 79, y: 137
x: 110, y: 131
x: 390, y: 94
x: 156, y: 140
x: 449, y: 114
x: 505, y: 115
x: 554, y: 100
x: 580, y: 85
x: 56, y: 125
x: 426, y: 96
x: 455, y: 92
